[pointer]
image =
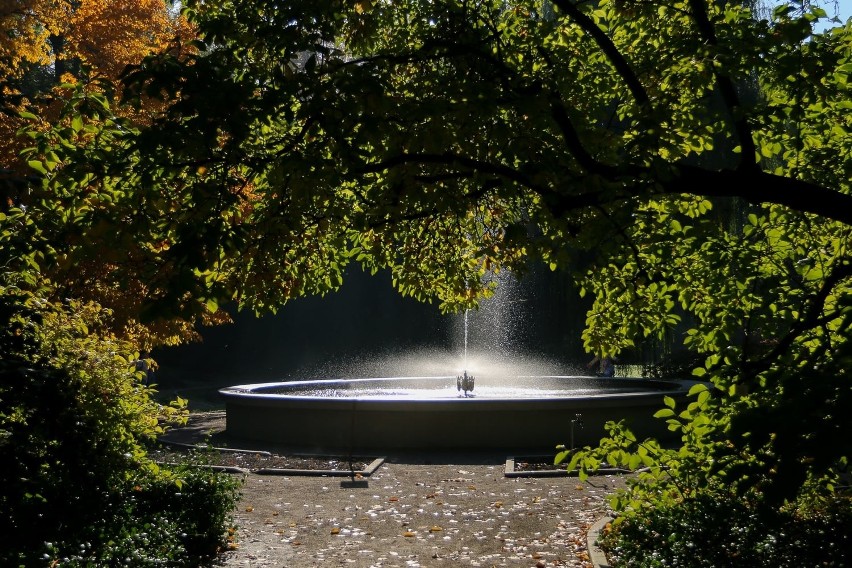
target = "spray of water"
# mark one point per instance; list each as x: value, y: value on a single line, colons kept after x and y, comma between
x: 488, y: 344
x: 464, y: 366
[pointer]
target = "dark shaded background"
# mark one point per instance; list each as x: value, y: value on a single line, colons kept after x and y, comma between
x: 364, y: 328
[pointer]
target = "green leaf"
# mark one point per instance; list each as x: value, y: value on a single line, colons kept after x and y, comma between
x: 37, y: 166
x: 634, y: 461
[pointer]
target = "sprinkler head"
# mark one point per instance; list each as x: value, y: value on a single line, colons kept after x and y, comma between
x: 465, y: 382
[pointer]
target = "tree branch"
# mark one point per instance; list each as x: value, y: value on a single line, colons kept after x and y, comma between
x: 622, y: 66
x: 759, y: 187
x: 726, y: 86
x: 810, y: 319
x: 447, y: 159
x: 755, y: 187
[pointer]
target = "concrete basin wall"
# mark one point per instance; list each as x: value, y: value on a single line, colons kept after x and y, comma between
x: 365, y: 425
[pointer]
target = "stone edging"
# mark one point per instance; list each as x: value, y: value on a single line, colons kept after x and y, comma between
x: 510, y: 471
x: 597, y: 556
x: 366, y: 472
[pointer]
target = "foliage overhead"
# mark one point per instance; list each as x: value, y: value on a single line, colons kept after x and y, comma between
x: 446, y: 139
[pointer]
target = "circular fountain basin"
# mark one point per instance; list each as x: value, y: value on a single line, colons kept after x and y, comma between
x: 429, y: 413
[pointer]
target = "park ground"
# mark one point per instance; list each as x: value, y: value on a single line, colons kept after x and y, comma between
x: 414, y: 510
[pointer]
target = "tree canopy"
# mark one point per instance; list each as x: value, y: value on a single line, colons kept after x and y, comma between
x: 47, y: 43
x: 443, y: 139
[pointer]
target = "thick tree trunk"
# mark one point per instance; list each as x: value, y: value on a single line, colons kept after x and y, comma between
x: 57, y: 44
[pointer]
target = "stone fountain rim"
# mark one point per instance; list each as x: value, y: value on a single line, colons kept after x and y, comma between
x: 249, y: 392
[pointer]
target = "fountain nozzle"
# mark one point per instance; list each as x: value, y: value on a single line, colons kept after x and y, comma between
x: 465, y: 383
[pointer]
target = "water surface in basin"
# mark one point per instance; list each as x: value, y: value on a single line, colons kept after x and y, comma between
x: 438, y: 388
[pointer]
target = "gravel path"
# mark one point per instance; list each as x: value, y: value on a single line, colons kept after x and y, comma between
x: 416, y: 515
x: 451, y: 510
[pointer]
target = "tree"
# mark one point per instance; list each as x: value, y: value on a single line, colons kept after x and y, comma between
x: 47, y: 43
x: 53, y: 52
x: 75, y: 416
x: 65, y: 36
x: 505, y: 118
x: 687, y: 160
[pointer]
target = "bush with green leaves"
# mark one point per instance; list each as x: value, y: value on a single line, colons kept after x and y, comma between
x: 759, y: 478
x: 77, y: 486
x: 178, y: 519
x: 708, y: 531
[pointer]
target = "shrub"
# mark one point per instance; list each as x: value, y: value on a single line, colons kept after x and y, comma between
x: 176, y: 520
x: 709, y: 531
x: 77, y: 486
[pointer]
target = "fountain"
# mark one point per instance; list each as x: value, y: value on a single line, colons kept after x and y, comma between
x: 465, y: 383
x: 520, y: 403
x: 531, y: 414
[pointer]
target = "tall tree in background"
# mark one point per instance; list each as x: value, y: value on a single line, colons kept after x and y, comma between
x: 52, y: 52
x: 49, y: 42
